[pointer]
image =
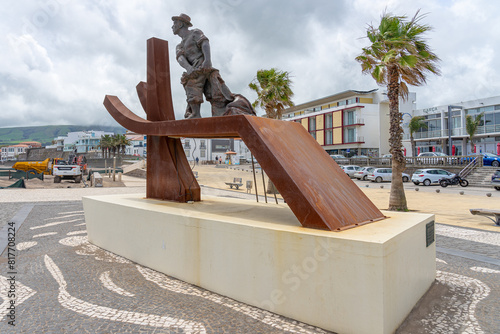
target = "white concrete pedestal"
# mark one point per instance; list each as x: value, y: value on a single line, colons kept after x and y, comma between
x: 362, y: 280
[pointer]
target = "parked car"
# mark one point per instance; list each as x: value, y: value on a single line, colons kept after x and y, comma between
x: 362, y: 174
x: 386, y: 159
x: 340, y: 159
x: 434, y: 158
x: 430, y: 176
x: 495, y: 180
x: 384, y: 174
x: 350, y: 169
x: 490, y: 159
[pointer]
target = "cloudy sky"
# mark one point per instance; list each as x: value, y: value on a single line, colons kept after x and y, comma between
x: 60, y: 57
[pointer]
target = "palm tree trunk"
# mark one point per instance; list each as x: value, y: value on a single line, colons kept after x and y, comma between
x: 397, y: 199
x: 412, y: 145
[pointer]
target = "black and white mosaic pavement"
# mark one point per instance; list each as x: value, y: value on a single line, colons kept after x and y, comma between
x: 64, y: 284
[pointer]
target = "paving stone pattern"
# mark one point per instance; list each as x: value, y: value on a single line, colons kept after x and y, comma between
x: 64, y: 284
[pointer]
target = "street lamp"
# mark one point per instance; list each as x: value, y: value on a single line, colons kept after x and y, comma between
x: 450, y: 125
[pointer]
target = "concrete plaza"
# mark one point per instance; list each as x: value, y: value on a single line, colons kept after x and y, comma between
x: 66, y: 285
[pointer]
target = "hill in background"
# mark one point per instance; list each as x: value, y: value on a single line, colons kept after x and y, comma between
x: 46, y: 134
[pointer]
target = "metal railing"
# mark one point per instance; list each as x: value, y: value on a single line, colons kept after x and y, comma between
x: 469, y: 168
x: 419, y: 162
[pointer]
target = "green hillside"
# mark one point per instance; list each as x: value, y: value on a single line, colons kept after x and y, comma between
x: 45, y: 134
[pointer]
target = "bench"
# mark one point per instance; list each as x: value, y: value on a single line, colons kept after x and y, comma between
x: 236, y: 183
x: 96, y: 179
x: 488, y: 213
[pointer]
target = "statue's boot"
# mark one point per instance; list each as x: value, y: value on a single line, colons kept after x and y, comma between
x: 195, y: 111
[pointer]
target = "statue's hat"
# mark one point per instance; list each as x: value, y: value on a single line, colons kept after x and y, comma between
x: 184, y: 18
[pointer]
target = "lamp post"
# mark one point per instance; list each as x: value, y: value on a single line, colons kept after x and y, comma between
x: 450, y: 125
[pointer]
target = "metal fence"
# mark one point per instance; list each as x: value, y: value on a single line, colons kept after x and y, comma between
x: 454, y: 161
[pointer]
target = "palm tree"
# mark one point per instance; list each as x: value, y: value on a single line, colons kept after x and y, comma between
x: 471, y: 126
x: 274, y: 91
x: 398, y: 55
x: 122, y: 143
x: 105, y: 145
x: 416, y: 123
x: 115, y: 144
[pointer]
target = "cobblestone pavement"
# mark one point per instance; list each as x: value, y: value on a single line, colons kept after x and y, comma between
x: 66, y: 285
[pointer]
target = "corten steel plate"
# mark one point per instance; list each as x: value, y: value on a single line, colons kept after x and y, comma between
x: 315, y: 188
x: 169, y: 175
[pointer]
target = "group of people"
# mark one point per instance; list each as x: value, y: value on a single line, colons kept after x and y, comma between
x: 218, y: 159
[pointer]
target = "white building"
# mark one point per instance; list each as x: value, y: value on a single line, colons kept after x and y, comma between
x: 349, y: 123
x: 436, y: 136
x: 210, y: 149
x: 137, y: 145
x: 81, y: 141
x: 13, y: 151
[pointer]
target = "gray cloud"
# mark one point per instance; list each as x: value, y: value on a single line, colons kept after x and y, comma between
x: 61, y: 57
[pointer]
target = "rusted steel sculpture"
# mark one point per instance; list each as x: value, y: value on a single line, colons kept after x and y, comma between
x: 318, y: 192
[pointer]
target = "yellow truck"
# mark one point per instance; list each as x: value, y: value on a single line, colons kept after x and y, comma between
x: 37, y: 167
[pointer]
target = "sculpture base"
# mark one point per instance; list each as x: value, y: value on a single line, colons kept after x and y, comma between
x: 362, y: 280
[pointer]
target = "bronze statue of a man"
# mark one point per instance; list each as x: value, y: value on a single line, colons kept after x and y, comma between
x: 200, y: 78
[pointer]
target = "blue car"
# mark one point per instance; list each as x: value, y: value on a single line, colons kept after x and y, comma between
x: 490, y: 159
x: 495, y: 180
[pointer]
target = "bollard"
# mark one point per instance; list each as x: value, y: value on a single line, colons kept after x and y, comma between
x: 119, y: 176
x: 114, y: 169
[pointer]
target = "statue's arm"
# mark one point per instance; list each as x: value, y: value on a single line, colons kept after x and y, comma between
x: 205, y: 48
x: 184, y: 63
x: 182, y: 60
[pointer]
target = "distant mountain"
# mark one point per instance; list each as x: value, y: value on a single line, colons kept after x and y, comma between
x: 46, y: 134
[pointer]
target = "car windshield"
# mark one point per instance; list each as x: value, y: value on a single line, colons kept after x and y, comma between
x: 440, y: 154
x: 491, y: 155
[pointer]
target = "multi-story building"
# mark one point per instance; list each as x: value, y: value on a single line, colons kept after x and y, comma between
x: 80, y: 141
x: 436, y: 136
x: 349, y: 123
x: 137, y: 144
x: 13, y: 151
x: 209, y: 149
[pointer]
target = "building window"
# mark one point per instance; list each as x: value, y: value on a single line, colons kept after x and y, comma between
x: 202, y: 144
x: 312, y: 123
x: 188, y: 153
x: 187, y: 144
x: 312, y: 126
x: 328, y: 121
x: 329, y: 137
x: 202, y: 153
x: 350, y: 117
x: 351, y: 135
